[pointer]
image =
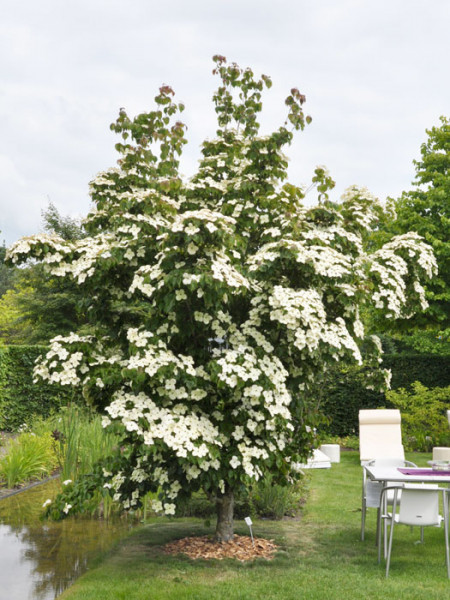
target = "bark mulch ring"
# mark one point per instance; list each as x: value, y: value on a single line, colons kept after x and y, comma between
x: 240, y: 548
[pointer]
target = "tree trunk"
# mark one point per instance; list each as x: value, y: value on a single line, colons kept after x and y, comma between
x: 225, y: 508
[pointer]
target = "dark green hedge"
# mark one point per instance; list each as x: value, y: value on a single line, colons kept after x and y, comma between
x: 20, y: 398
x: 342, y: 397
x: 430, y: 369
x: 344, y: 393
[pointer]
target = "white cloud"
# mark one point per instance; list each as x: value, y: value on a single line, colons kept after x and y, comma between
x: 374, y: 75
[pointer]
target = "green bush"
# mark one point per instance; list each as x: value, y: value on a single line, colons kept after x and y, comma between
x: 275, y: 501
x: 20, y: 398
x: 424, y: 417
x: 349, y: 442
x: 265, y: 500
x: 27, y: 457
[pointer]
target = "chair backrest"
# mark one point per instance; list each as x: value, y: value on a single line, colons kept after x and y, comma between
x: 420, y: 506
x: 387, y: 462
x: 380, y: 434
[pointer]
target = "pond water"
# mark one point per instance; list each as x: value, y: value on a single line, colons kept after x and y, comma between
x: 39, y: 560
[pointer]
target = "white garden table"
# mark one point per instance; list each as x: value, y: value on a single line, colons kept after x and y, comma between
x: 407, y: 475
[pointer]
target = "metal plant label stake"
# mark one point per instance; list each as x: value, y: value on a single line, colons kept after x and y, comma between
x: 249, y: 523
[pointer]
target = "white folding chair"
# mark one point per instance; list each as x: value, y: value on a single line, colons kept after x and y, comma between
x: 419, y: 507
x: 372, y: 489
x: 380, y: 438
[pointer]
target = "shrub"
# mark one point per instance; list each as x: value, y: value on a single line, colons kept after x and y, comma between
x: 424, y: 419
x: 350, y: 442
x: 275, y: 501
x: 266, y: 500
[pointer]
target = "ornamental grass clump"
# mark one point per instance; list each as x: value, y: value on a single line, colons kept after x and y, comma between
x: 217, y: 303
x: 27, y: 457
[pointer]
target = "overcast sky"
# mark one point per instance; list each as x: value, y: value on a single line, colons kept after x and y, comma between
x: 375, y: 75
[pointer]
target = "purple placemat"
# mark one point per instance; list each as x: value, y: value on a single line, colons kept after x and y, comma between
x: 421, y: 472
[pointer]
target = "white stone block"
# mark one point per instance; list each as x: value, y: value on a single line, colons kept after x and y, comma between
x: 333, y: 451
x: 441, y: 453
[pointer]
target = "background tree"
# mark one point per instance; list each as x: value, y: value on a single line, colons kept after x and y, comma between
x: 426, y: 210
x: 7, y: 273
x: 218, y: 303
x: 68, y: 228
x: 37, y: 305
x: 15, y: 328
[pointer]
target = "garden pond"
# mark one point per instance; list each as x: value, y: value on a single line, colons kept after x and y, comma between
x: 40, y: 559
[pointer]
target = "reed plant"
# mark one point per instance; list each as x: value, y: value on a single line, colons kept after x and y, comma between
x: 79, y: 439
x: 27, y: 457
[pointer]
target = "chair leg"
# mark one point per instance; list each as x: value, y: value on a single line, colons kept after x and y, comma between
x: 379, y: 540
x: 363, y: 505
x: 446, y: 500
x: 384, y: 508
x: 385, y: 538
x: 391, y: 536
x: 363, y: 518
x: 378, y: 526
x: 388, y: 558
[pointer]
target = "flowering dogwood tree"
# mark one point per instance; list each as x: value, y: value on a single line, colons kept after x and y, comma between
x: 216, y: 304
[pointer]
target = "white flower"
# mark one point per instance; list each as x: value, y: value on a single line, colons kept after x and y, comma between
x: 191, y: 229
x: 67, y: 481
x: 46, y: 503
x: 66, y: 508
x: 169, y: 509
x: 157, y: 505
x: 235, y: 462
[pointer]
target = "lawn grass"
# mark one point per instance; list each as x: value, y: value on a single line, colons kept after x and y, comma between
x: 321, y: 556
